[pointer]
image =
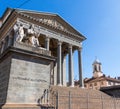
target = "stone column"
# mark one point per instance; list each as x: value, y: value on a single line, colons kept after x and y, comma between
x: 47, y: 40
x: 81, y: 83
x: 71, y: 72
x: 10, y: 40
x: 59, y: 61
x: 2, y: 46
x: 64, y: 70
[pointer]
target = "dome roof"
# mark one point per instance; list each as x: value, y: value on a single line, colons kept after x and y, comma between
x: 96, y: 61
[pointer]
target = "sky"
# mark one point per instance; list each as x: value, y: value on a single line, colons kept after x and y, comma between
x: 97, y: 20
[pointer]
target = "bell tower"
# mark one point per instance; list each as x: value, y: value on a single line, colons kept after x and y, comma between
x: 97, y: 70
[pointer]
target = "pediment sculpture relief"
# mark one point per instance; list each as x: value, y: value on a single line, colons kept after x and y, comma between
x: 28, y: 36
x: 53, y: 23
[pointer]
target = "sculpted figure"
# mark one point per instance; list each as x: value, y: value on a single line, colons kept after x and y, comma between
x: 21, y: 33
x: 35, y: 41
x: 31, y: 30
x: 32, y: 36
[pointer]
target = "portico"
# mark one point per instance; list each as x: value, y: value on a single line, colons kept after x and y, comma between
x: 60, y: 41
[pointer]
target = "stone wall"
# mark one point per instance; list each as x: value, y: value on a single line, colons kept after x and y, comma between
x: 4, y: 78
x: 29, y: 77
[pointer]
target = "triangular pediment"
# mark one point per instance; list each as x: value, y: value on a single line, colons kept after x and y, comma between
x: 53, y: 20
x: 47, y: 20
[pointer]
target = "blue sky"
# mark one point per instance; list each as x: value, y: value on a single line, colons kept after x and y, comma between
x: 98, y: 20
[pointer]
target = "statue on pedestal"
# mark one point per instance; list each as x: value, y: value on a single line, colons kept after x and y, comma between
x: 21, y: 33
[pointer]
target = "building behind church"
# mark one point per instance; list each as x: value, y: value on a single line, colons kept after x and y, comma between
x: 99, y: 79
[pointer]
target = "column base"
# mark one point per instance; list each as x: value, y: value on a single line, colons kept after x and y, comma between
x: 59, y: 84
x: 71, y: 86
x: 82, y: 87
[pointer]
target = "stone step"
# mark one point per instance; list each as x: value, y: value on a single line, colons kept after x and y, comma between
x: 80, y: 98
x: 20, y: 106
x: 78, y: 91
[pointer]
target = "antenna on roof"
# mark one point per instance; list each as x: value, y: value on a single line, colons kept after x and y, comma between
x: 23, y: 3
x: 95, y: 57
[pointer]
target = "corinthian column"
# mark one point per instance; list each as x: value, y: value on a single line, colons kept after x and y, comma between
x: 2, y: 46
x: 10, y: 40
x: 81, y: 83
x: 59, y: 61
x: 71, y: 72
x: 47, y: 40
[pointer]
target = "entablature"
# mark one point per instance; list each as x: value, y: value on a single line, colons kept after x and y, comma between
x: 49, y: 33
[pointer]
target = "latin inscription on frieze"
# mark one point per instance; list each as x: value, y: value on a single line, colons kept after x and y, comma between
x: 29, y: 79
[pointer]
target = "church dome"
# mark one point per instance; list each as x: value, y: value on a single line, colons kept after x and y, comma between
x: 96, y: 61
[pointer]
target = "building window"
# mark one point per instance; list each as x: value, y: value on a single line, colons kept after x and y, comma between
x: 109, y: 83
x: 90, y: 85
x: 102, y: 83
x: 96, y: 88
x: 95, y: 84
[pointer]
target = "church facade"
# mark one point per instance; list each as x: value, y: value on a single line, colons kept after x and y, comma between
x: 33, y: 49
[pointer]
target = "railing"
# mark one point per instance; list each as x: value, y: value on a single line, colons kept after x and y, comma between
x: 74, y: 101
x: 44, y: 99
x: 78, y: 101
x: 48, y: 99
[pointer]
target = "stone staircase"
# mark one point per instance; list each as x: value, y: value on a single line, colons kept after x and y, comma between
x: 81, y: 98
x: 70, y: 98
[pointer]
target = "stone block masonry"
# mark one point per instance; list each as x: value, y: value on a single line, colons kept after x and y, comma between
x: 4, y: 78
x: 29, y: 77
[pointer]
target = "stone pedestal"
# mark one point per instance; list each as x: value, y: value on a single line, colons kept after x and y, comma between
x: 25, y: 74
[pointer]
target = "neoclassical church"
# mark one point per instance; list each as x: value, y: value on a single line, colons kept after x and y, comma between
x: 33, y: 49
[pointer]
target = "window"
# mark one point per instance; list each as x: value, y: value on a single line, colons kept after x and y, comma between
x: 102, y: 83
x: 90, y: 85
x: 109, y: 83
x: 95, y: 84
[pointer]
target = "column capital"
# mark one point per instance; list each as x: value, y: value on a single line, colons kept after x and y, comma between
x: 79, y: 48
x: 47, y: 38
x: 70, y: 46
x: 10, y: 36
x: 3, y: 41
x: 59, y: 42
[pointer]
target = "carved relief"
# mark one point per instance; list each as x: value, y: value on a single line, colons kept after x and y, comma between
x: 21, y: 33
x: 33, y: 36
x: 26, y: 35
x: 53, y: 23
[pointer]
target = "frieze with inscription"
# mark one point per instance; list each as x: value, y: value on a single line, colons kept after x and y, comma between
x: 29, y: 79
